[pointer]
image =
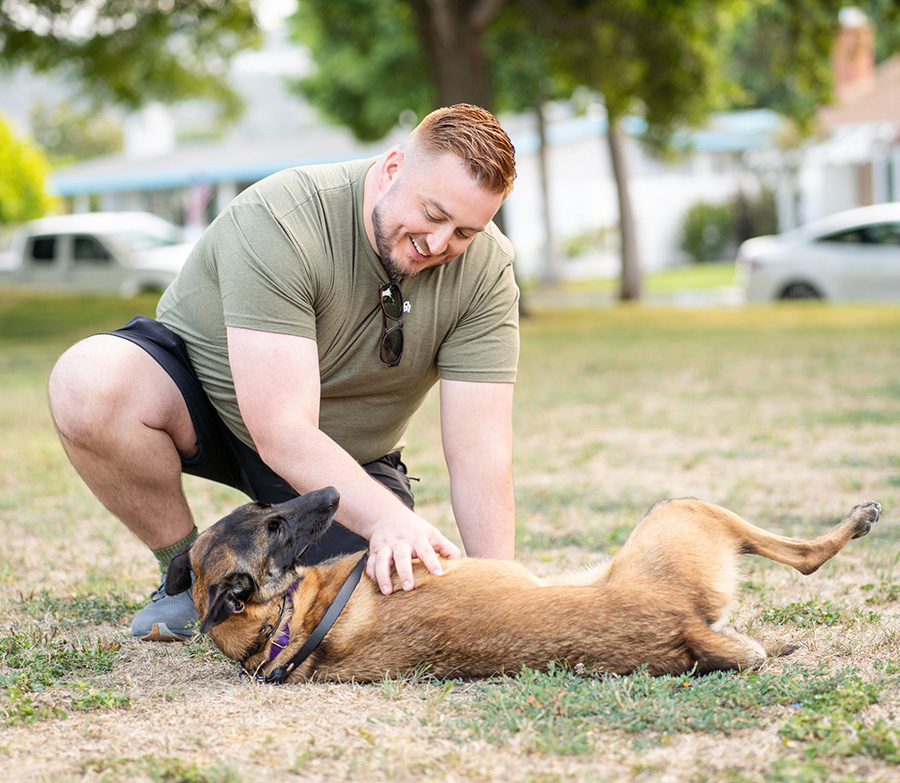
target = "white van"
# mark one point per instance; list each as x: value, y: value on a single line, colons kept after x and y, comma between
x: 123, y: 252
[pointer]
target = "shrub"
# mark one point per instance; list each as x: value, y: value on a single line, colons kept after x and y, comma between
x: 711, y: 232
x: 707, y: 231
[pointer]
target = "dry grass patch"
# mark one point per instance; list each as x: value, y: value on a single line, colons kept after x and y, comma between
x: 789, y: 416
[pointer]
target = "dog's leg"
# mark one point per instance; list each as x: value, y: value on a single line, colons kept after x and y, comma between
x: 722, y: 648
x: 808, y: 556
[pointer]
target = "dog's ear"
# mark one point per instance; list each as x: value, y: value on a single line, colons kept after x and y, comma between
x: 227, y: 598
x: 178, y: 574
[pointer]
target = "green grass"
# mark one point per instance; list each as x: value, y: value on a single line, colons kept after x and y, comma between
x: 34, y: 660
x: 717, y: 274
x: 565, y: 713
x: 804, y: 615
x: 786, y: 414
x: 64, y: 316
x: 80, y: 607
x: 159, y: 770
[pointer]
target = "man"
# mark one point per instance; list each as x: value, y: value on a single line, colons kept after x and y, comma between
x: 305, y: 329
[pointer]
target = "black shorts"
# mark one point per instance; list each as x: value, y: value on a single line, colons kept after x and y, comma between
x: 223, y: 458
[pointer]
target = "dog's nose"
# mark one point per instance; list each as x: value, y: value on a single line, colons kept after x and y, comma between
x: 329, y: 496
x: 316, y: 501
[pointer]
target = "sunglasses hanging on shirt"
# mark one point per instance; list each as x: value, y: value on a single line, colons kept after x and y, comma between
x: 391, y: 309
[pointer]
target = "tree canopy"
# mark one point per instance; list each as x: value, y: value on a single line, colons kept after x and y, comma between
x: 370, y: 67
x: 23, y: 172
x: 778, y: 53
x: 374, y: 63
x: 68, y: 134
x: 132, y: 52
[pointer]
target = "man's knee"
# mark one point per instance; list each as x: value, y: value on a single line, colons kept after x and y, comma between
x: 85, y: 386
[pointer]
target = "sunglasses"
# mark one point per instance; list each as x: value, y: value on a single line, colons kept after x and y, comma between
x: 391, y: 308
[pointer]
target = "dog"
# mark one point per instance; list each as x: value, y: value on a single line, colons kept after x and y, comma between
x: 660, y: 602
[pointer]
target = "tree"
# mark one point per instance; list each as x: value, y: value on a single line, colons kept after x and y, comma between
x: 132, y: 53
x: 778, y: 55
x: 659, y: 60
x: 23, y: 172
x: 451, y: 32
x: 378, y: 61
x: 69, y: 134
x: 519, y: 56
x: 370, y: 67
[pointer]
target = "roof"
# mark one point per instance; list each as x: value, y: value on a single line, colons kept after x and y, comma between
x: 239, y: 160
x: 881, y: 103
x: 100, y: 223
x: 737, y: 131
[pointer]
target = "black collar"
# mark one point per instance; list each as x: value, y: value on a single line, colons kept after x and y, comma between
x: 280, y: 674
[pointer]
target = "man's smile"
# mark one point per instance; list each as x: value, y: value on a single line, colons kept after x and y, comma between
x: 418, y: 248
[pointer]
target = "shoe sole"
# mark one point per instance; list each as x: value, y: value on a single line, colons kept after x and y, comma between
x: 161, y: 633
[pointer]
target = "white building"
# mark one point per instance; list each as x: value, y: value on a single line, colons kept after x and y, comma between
x: 854, y: 159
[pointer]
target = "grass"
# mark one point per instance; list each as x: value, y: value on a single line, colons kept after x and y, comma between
x: 718, y: 274
x: 37, y: 660
x: 165, y: 770
x: 564, y: 713
x: 786, y: 414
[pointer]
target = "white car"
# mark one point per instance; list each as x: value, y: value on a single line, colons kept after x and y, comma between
x: 120, y: 252
x: 848, y: 256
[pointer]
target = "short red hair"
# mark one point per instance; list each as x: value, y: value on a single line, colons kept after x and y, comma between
x: 475, y: 136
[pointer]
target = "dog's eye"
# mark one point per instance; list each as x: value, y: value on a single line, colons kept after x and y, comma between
x: 275, y: 524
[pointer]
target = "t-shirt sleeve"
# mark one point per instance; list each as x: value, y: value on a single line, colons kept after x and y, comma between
x: 264, y: 278
x: 484, y: 345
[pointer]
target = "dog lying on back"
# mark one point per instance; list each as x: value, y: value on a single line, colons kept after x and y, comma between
x: 660, y: 602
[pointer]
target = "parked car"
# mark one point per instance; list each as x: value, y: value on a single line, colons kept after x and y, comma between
x: 123, y: 252
x: 848, y: 256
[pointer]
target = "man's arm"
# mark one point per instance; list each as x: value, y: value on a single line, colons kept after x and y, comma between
x: 276, y: 379
x: 476, y: 429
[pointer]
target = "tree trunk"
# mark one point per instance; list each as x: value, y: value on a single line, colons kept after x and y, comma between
x: 630, y: 284
x: 552, y: 266
x: 452, y: 34
x: 451, y: 31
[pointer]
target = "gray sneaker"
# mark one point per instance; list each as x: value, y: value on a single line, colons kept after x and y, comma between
x: 167, y: 618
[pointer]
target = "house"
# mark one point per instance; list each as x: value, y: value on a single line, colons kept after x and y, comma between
x: 855, y: 158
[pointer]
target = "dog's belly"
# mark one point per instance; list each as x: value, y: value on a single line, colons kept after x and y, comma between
x: 498, y: 627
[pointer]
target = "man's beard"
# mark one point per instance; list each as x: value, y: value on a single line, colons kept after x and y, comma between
x: 384, y: 250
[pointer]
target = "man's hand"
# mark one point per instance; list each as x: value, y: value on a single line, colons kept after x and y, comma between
x: 394, y: 543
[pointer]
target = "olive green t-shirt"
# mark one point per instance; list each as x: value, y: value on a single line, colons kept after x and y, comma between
x: 291, y: 255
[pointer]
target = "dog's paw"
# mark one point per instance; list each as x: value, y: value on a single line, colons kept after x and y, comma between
x: 863, y: 516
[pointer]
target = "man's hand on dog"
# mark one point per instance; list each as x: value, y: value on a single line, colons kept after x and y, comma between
x: 394, y: 544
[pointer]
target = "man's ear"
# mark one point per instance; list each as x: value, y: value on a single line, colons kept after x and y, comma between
x: 178, y: 574
x: 225, y: 599
x: 390, y: 168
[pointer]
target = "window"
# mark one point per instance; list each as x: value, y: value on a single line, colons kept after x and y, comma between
x: 43, y: 250
x: 885, y: 234
x: 89, y: 251
x: 876, y: 234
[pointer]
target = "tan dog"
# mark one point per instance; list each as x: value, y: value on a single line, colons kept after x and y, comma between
x: 661, y: 601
